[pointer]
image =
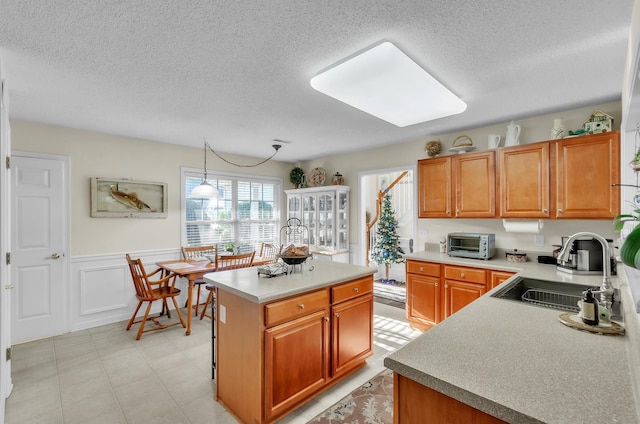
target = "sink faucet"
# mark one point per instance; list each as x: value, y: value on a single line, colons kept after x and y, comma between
x: 606, y: 289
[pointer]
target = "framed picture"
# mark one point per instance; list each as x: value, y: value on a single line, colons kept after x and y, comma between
x: 112, y: 198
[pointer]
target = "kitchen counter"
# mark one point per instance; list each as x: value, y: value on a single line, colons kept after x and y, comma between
x: 247, y: 284
x: 518, y: 363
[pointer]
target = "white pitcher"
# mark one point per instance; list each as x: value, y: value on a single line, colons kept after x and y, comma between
x: 513, y: 134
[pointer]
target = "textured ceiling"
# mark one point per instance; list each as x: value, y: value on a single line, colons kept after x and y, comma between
x: 237, y: 72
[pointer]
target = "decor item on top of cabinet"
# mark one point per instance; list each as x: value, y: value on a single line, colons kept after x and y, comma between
x: 337, y: 179
x: 462, y: 144
x: 558, y: 129
x: 433, y: 148
x: 635, y: 162
x: 387, y: 249
x: 598, y: 122
x: 316, y: 177
x: 295, y: 176
x: 513, y: 134
x: 493, y: 141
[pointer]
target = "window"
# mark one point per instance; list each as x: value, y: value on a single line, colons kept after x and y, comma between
x: 246, y: 214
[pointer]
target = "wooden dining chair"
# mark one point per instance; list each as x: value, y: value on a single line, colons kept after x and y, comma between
x: 226, y: 262
x: 270, y: 251
x: 148, y: 290
x: 199, y: 253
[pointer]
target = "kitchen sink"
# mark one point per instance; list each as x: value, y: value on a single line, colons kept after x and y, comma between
x: 547, y: 294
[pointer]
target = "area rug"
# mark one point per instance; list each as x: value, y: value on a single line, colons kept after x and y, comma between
x: 390, y: 289
x: 371, y: 403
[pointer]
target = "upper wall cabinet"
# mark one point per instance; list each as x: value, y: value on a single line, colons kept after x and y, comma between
x: 586, y: 169
x: 460, y: 186
x: 434, y: 188
x: 570, y: 178
x: 523, y: 181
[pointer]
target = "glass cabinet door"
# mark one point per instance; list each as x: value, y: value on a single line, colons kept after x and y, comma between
x: 309, y: 216
x: 342, y: 219
x: 293, y: 209
x: 325, y: 220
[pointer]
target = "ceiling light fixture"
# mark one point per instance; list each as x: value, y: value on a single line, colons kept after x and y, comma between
x: 384, y: 82
x: 205, y: 190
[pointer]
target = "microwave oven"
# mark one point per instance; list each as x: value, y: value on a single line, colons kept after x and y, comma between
x: 471, y: 245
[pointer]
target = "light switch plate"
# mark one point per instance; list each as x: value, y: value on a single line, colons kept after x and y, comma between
x: 538, y: 240
x: 223, y: 314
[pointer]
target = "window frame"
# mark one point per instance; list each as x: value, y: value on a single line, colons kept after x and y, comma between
x: 186, y: 172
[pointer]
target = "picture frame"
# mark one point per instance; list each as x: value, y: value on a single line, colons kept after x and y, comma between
x: 124, y: 198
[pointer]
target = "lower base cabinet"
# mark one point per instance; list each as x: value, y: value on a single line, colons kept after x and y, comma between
x: 297, y: 360
x: 273, y: 357
x: 413, y: 402
x: 435, y: 291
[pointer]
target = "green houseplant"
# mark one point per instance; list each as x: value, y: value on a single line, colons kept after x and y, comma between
x: 295, y: 176
x: 630, y: 249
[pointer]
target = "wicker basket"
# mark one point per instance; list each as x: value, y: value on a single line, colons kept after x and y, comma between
x: 462, y: 141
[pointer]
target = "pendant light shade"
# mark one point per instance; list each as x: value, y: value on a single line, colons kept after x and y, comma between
x: 205, y: 190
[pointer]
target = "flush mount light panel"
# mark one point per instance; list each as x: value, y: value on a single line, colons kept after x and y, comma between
x: 387, y: 84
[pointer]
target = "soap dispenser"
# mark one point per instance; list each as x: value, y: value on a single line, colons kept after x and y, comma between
x: 589, y: 308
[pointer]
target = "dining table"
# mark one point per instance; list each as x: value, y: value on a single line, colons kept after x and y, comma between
x: 194, y: 269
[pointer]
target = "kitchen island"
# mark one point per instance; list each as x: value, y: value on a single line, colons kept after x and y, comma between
x: 517, y: 362
x: 280, y: 341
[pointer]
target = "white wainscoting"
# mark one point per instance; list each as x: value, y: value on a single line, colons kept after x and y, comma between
x: 102, y: 290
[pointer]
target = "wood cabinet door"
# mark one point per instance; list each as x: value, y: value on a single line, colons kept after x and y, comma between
x: 457, y: 295
x: 423, y: 301
x: 586, y: 169
x: 497, y: 278
x: 352, y: 333
x: 296, y: 361
x: 474, y: 185
x: 523, y: 181
x: 434, y: 188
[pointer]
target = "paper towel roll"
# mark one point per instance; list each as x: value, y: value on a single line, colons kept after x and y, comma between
x: 522, y: 226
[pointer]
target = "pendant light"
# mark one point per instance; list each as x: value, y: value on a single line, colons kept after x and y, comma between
x: 205, y: 190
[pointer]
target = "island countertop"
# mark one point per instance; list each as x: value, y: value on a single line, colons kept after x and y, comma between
x: 517, y: 362
x: 247, y: 284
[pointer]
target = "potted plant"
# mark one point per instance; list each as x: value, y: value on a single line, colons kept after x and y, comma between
x: 295, y: 176
x: 630, y: 249
x: 635, y: 163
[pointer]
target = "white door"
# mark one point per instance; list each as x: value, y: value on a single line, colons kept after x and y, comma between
x: 38, y: 253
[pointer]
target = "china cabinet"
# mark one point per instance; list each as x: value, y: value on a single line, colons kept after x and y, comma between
x: 325, y: 212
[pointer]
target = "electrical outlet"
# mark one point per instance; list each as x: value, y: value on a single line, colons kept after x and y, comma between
x: 538, y: 240
x: 223, y: 314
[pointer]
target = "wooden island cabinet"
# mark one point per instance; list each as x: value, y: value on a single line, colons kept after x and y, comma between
x: 274, y: 355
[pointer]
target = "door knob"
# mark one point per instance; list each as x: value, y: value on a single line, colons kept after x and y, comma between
x: 54, y: 256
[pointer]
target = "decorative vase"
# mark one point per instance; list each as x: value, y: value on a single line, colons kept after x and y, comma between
x: 337, y: 179
x: 558, y: 129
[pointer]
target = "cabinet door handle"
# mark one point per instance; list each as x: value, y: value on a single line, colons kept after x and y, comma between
x: 545, y: 210
x: 462, y: 274
x: 446, y: 286
x: 560, y: 211
x: 326, y: 319
x: 355, y: 289
x: 436, y: 284
x: 301, y: 306
x: 421, y: 269
x: 337, y: 315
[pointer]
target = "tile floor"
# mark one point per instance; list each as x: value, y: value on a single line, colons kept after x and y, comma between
x: 103, y: 375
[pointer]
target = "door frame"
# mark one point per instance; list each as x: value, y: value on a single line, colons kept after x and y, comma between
x: 362, y: 230
x: 66, y: 257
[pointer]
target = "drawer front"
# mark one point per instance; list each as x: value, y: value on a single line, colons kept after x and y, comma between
x: 470, y: 275
x: 288, y: 309
x: 423, y: 268
x: 351, y: 289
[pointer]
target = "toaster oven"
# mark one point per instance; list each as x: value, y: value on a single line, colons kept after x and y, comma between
x: 471, y: 245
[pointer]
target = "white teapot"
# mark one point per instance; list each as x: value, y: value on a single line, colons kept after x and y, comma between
x: 513, y: 134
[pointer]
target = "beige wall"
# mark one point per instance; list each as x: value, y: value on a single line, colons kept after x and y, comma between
x: 102, y: 155
x: 109, y: 156
x: 431, y: 230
